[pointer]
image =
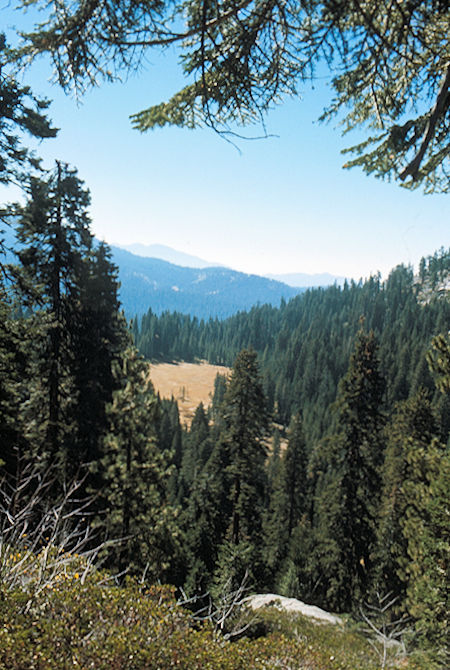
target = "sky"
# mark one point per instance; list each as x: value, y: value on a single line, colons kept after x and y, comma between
x: 277, y: 205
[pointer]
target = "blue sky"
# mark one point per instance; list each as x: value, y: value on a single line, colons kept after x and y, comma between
x: 282, y: 204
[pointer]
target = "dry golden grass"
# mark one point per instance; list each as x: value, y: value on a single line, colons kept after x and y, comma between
x: 189, y: 383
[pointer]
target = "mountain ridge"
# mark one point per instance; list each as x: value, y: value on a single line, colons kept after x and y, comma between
x: 151, y: 283
x: 165, y: 253
x: 171, y: 255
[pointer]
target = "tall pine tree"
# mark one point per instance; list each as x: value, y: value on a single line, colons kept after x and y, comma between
x: 347, y: 493
x: 53, y: 231
x: 288, y: 506
x: 412, y: 428
x: 133, y: 509
x: 74, y: 322
x: 244, y: 453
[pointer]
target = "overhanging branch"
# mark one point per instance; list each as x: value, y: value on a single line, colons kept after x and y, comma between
x: 442, y: 101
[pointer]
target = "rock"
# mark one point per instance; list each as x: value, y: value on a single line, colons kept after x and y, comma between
x: 292, y: 605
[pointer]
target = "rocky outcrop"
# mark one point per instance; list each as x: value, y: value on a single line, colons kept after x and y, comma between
x: 292, y: 605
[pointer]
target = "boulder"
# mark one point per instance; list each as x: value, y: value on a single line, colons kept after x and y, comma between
x: 292, y: 605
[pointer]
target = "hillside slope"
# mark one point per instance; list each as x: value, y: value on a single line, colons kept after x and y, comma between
x: 207, y: 292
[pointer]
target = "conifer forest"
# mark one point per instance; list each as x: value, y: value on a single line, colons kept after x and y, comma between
x: 320, y: 470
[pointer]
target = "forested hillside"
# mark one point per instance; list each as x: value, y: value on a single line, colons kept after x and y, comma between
x: 356, y: 507
x: 353, y: 510
x: 304, y: 346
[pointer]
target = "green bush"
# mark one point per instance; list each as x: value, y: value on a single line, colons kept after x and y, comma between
x: 94, y: 625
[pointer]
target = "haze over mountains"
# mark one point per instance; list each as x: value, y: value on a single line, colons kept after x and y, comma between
x: 202, y: 292
x: 165, y: 253
x: 168, y: 254
x: 162, y: 279
x: 303, y: 280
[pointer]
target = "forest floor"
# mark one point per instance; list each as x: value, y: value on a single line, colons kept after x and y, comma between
x: 189, y: 384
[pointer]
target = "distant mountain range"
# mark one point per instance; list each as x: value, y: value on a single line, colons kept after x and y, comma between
x: 192, y: 285
x: 164, y: 253
x: 167, y: 254
x: 202, y: 292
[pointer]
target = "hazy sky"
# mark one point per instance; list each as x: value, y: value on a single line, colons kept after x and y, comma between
x: 283, y: 204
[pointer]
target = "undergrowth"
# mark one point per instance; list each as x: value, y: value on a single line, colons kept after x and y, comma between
x: 92, y: 623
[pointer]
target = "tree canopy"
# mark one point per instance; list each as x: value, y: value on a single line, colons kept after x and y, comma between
x: 21, y: 115
x: 389, y: 63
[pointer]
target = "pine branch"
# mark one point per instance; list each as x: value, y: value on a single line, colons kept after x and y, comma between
x: 442, y: 102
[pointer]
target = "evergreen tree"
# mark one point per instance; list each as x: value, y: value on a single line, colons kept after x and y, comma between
x: 13, y: 386
x: 412, y: 427
x: 77, y: 330
x: 204, y: 523
x: 295, y: 475
x: 275, y: 531
x: 53, y: 229
x: 348, y: 490
x: 241, y: 451
x: 196, y: 451
x: 21, y: 113
x: 245, y: 419
x: 133, y: 509
x: 295, y: 577
x: 241, y: 58
x: 98, y: 338
x: 220, y: 387
x: 288, y: 505
x: 426, y: 530
x: 439, y: 362
x: 170, y: 440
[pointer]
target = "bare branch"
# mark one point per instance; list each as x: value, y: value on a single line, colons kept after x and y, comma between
x: 41, y: 542
x: 230, y: 607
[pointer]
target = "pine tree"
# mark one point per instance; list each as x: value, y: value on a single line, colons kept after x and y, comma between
x: 426, y: 530
x: 275, y: 531
x: 204, y: 529
x: 196, y: 451
x: 412, y: 428
x: 170, y: 439
x: 439, y: 361
x: 288, y: 505
x: 240, y: 59
x: 72, y: 289
x: 54, y: 231
x: 220, y: 387
x: 20, y: 113
x: 245, y: 419
x: 295, y: 577
x: 347, y: 492
x: 295, y: 475
x: 98, y: 338
x: 13, y: 382
x: 241, y: 451
x: 133, y: 507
